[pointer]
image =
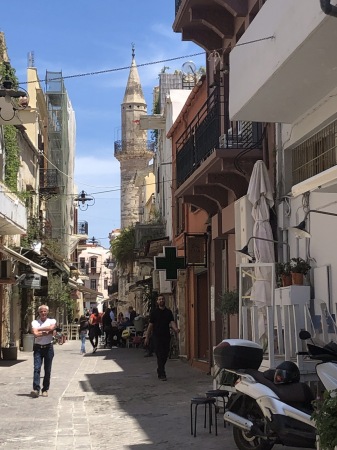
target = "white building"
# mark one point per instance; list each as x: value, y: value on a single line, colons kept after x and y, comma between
x: 286, y: 73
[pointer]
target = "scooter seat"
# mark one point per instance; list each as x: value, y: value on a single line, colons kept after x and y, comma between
x: 290, y: 393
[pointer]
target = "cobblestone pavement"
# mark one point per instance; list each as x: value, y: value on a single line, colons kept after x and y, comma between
x: 111, y: 399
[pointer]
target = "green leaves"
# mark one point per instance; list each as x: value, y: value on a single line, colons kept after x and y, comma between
x: 229, y: 303
x: 325, y: 418
x: 12, y: 161
x: 123, y: 247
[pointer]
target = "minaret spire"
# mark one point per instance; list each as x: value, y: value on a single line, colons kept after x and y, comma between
x: 133, y: 152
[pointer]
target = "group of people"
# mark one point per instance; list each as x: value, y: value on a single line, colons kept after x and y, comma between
x: 158, y: 333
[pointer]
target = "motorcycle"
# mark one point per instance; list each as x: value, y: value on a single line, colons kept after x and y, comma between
x: 273, y: 407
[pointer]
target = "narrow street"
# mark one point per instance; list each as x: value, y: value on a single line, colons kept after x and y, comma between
x: 108, y: 400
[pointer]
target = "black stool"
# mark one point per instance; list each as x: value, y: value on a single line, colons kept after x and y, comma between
x: 219, y: 393
x: 210, y: 401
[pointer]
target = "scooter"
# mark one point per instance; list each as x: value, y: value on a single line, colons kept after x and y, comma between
x: 266, y: 410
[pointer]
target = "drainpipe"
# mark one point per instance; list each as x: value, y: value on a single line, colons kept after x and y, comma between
x: 328, y: 9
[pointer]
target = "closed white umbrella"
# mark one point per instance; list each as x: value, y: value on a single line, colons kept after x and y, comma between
x: 260, y: 195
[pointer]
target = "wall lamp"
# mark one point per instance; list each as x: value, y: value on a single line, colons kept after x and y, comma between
x: 245, y: 252
x: 300, y: 231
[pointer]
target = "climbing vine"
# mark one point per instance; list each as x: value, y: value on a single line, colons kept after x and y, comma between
x: 12, y: 154
x: 12, y: 150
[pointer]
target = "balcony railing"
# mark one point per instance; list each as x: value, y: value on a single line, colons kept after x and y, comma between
x: 134, y: 146
x: 178, y: 3
x: 82, y: 227
x: 49, y: 180
x: 316, y: 154
x: 204, y: 135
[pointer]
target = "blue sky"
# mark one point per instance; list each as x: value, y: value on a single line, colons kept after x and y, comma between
x: 79, y: 37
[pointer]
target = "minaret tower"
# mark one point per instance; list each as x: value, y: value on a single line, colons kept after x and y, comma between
x: 132, y: 151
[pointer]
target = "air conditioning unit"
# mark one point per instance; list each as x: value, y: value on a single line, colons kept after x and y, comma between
x: 5, y: 269
x: 244, y: 223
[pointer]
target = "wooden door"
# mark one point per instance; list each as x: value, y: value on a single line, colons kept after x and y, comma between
x: 202, y: 318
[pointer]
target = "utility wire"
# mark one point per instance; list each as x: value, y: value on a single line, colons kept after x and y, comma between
x: 117, y: 69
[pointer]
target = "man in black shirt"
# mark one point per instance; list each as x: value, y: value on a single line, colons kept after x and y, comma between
x: 161, y: 319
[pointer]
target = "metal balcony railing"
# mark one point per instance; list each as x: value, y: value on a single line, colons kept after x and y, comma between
x: 82, y: 228
x: 49, y: 179
x: 178, y: 3
x: 209, y: 130
x: 316, y: 154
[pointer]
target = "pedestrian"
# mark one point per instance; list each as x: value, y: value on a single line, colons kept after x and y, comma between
x: 107, y: 328
x: 132, y: 314
x: 83, y: 330
x: 94, y: 328
x: 161, y: 319
x: 43, y: 330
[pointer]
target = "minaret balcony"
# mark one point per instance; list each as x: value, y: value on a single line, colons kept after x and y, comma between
x: 134, y: 148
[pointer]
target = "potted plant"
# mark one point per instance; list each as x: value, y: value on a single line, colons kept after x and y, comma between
x: 229, y: 303
x: 298, y: 267
x: 283, y: 273
x: 325, y: 420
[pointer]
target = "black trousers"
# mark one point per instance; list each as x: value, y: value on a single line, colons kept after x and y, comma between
x: 161, y: 348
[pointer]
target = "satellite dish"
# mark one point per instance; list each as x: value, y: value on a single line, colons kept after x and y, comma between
x: 189, y: 68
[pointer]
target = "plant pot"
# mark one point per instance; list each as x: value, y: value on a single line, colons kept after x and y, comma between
x: 286, y: 280
x: 9, y: 353
x: 28, y: 342
x: 297, y: 278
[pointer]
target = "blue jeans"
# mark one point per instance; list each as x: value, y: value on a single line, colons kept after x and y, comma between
x: 45, y: 356
x: 83, y: 335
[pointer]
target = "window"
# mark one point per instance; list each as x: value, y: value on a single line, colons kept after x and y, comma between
x: 106, y: 284
x: 82, y: 263
x: 93, y: 265
x: 93, y: 285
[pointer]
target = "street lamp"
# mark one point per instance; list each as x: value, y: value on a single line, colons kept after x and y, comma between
x: 299, y: 231
x: 245, y: 252
x: 84, y: 201
x: 11, y: 99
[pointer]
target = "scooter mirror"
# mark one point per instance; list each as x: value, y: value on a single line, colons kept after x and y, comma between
x: 304, y: 335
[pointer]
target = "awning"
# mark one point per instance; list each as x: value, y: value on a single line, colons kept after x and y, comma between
x: 36, y: 268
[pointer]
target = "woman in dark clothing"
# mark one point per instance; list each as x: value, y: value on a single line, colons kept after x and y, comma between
x: 94, y: 330
x: 107, y: 328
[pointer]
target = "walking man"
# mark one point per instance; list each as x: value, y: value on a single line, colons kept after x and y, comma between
x: 161, y: 319
x: 43, y: 329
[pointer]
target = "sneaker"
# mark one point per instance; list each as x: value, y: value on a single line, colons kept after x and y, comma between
x: 44, y: 393
x: 94, y: 350
x: 163, y: 378
x: 34, y: 394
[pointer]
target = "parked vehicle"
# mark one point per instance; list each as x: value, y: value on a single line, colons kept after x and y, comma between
x: 273, y: 407
x: 58, y: 337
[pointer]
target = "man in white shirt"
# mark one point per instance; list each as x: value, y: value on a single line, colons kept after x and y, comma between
x: 43, y: 330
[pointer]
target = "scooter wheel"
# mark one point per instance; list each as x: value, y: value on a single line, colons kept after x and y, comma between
x: 245, y: 441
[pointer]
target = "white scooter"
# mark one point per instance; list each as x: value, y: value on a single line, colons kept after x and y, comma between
x: 273, y: 407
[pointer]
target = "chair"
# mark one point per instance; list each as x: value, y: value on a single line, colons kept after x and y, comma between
x: 132, y: 334
x: 73, y: 332
x: 219, y: 394
x: 206, y: 401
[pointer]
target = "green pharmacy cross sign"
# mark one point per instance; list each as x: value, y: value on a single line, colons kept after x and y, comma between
x: 170, y: 262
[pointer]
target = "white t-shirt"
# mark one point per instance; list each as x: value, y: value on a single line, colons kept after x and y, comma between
x: 43, y: 340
